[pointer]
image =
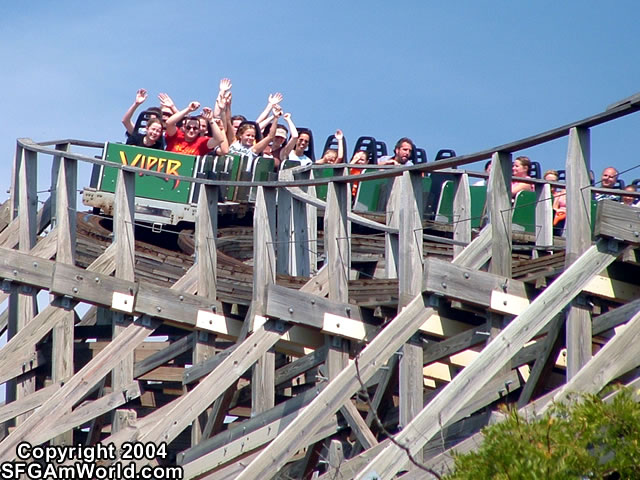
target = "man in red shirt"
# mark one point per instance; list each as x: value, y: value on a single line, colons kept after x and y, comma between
x: 189, y: 141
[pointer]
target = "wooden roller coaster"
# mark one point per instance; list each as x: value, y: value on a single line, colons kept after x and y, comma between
x: 310, y: 339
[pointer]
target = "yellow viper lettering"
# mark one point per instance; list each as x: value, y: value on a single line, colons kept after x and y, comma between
x: 168, y: 166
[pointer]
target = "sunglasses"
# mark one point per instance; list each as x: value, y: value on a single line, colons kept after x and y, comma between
x: 191, y: 127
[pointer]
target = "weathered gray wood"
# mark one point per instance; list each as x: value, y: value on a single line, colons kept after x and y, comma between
x: 318, y: 284
x: 461, y: 213
x: 78, y: 386
x: 86, y: 412
x: 311, y: 200
x: 578, y: 223
x: 619, y: 355
x: 271, y: 418
x: 235, y: 448
x: 358, y: 425
x: 545, y: 361
x: 492, y: 358
x: 284, y: 232
x: 337, y: 241
x: 294, y: 306
x: 64, y: 205
x: 22, y: 303
x: 544, y: 216
x: 301, y: 248
x: 500, y: 211
x: 167, y: 423
x: 206, y: 233
x: 339, y: 390
x: 391, y: 247
x: 33, y: 401
x: 474, y: 286
x: 410, y: 376
x: 163, y: 356
x: 123, y: 232
x: 375, y: 355
x: 477, y: 256
x: 619, y: 221
x: 206, y: 260
x: 264, y: 274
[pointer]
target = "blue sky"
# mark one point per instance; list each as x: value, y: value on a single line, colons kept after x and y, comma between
x: 463, y: 75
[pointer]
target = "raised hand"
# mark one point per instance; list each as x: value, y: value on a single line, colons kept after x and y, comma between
x: 225, y: 84
x: 141, y: 96
x: 193, y: 106
x: 277, y: 110
x: 286, y: 116
x: 207, y: 113
x: 275, y: 98
x: 166, y: 101
x: 338, y: 135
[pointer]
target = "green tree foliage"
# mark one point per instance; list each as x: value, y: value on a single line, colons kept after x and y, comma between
x: 586, y: 439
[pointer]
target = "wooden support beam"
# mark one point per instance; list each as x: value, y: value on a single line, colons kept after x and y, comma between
x: 618, y: 221
x: 545, y: 361
x: 495, y: 292
x: 461, y: 213
x: 27, y: 404
x: 64, y: 203
x: 284, y: 232
x: 500, y: 212
x: 619, y: 355
x: 303, y: 234
x: 78, y: 386
x: 164, y: 356
x: 272, y: 419
x: 375, y: 355
x: 22, y: 302
x: 391, y: 246
x: 87, y: 412
x: 207, y: 261
x: 165, y: 424
x: 410, y: 248
x: 337, y: 242
x: 123, y: 233
x: 337, y: 247
x: 264, y: 274
x: 578, y: 228
x: 492, y: 358
x: 318, y: 284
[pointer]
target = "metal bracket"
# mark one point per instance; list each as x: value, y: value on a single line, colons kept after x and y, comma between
x: 6, y: 285
x: 156, y: 227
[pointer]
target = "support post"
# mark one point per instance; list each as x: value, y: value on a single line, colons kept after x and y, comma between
x: 578, y: 241
x: 461, y: 213
x: 207, y: 261
x: 264, y: 273
x: 22, y: 301
x: 410, y: 274
x: 123, y: 231
x: 64, y: 199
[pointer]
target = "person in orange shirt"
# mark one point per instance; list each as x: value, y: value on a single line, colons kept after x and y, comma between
x: 189, y: 141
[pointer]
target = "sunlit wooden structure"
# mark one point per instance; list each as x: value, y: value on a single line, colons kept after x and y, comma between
x: 287, y: 350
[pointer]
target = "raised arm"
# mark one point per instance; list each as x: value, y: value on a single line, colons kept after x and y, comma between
x: 291, y: 144
x: 339, y: 136
x: 273, y: 100
x: 225, y: 86
x: 173, y: 120
x: 262, y: 144
x: 218, y: 138
x: 141, y: 96
x: 166, y: 101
